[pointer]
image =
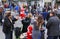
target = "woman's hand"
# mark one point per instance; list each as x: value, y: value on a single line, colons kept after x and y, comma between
x: 17, y: 17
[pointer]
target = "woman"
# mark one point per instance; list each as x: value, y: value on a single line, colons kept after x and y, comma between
x: 8, y: 25
x: 26, y: 22
x: 36, y: 34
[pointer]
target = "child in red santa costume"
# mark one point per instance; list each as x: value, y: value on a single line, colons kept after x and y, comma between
x: 29, y: 32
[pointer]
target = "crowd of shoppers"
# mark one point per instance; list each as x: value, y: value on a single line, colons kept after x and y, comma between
x: 40, y: 19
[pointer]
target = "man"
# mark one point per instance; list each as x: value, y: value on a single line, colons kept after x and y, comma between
x: 53, y: 26
x: 8, y: 25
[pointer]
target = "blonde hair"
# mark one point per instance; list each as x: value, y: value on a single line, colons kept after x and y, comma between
x: 40, y: 20
x: 29, y: 15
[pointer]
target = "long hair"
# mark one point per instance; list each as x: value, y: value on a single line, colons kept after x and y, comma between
x: 40, y: 20
x: 29, y: 15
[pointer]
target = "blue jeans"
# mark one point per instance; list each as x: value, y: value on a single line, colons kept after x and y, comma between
x: 42, y: 35
x: 36, y: 34
x: 39, y: 37
x: 8, y: 36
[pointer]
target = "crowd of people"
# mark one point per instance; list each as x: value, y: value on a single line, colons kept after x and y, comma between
x: 35, y: 21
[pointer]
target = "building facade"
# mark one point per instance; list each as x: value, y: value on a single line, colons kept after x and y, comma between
x: 47, y: 0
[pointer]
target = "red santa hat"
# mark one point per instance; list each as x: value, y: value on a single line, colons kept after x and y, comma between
x: 30, y: 28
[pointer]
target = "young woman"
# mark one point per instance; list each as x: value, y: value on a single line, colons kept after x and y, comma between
x: 36, y: 34
x: 26, y: 22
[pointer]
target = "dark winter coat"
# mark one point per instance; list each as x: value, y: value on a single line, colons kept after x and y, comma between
x: 25, y: 23
x: 8, y: 26
x: 53, y: 26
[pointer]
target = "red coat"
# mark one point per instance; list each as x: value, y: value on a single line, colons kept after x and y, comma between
x: 29, y: 32
x: 29, y: 35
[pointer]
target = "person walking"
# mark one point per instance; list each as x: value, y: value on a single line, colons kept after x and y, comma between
x: 8, y: 25
x: 53, y: 26
x: 36, y: 33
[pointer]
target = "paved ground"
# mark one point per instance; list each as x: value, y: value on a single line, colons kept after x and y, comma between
x: 2, y: 36
x: 1, y: 33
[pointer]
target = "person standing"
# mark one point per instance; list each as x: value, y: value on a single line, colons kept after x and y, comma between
x: 53, y: 26
x: 8, y: 25
x: 36, y: 33
x: 26, y: 22
x: 45, y: 13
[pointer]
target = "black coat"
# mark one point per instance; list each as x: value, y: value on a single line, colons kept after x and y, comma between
x: 8, y: 26
x: 17, y: 32
x: 25, y: 23
x: 53, y: 26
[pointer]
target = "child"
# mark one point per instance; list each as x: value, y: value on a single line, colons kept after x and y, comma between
x: 17, y: 32
x: 29, y: 32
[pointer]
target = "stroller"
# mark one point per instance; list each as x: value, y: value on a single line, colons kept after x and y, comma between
x: 18, y: 32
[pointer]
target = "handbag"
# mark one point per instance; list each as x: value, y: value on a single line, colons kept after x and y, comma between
x: 41, y: 28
